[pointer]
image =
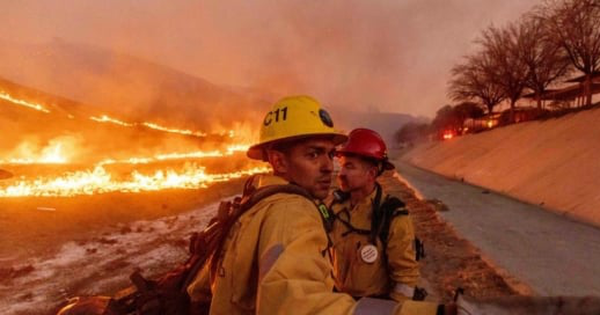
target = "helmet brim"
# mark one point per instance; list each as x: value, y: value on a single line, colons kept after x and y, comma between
x: 387, y: 165
x: 256, y: 152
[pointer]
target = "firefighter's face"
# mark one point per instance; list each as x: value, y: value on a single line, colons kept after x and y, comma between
x: 309, y: 164
x: 355, y: 173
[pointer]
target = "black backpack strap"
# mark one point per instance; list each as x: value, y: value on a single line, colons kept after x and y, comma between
x: 393, y: 207
x: 389, y: 209
x: 350, y: 228
x: 339, y: 196
x: 377, y: 215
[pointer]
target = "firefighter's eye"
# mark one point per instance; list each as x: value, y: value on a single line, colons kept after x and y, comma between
x: 312, y: 154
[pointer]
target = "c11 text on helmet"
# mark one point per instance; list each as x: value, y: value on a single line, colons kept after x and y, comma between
x: 269, y: 119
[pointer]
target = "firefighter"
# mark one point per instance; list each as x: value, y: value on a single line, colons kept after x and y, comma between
x: 275, y: 257
x: 373, y: 236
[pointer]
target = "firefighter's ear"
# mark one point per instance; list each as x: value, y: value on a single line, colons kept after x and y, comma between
x: 278, y: 161
x: 373, y: 171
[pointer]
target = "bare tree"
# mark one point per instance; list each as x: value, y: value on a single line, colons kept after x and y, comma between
x: 544, y: 59
x: 575, y: 26
x: 507, y: 70
x: 471, y: 82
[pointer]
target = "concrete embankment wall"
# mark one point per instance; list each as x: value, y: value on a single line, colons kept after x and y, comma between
x: 553, y: 163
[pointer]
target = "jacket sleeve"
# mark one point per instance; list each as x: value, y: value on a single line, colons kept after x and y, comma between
x: 199, y: 289
x: 404, y: 268
x: 294, y: 269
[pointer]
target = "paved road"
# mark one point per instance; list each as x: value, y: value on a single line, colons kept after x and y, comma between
x: 554, y: 255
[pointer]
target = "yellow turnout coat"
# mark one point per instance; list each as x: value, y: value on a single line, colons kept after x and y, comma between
x: 275, y: 262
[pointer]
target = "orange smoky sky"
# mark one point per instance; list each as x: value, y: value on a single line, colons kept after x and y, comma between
x: 391, y: 56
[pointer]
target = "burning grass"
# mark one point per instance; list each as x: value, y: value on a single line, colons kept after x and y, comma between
x: 68, y: 136
x: 52, y: 154
x: 136, y: 176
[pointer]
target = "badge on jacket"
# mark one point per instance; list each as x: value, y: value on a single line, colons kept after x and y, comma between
x: 368, y: 253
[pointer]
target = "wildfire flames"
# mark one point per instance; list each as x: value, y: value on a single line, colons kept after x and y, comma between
x: 5, y: 96
x: 179, y: 156
x: 52, y: 154
x: 163, y: 170
x: 106, y: 119
x: 100, y: 181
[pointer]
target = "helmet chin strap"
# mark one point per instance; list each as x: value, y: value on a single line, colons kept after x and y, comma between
x: 375, y: 213
x: 380, y: 167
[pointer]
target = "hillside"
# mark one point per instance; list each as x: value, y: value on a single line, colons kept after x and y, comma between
x: 126, y: 85
x: 61, y: 123
x: 553, y: 163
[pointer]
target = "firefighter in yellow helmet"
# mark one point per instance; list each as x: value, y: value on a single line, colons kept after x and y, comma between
x: 275, y: 257
x: 373, y: 236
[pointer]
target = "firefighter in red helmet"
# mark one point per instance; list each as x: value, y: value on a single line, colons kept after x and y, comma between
x: 374, y: 252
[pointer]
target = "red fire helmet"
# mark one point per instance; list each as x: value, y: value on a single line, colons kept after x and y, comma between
x: 366, y: 143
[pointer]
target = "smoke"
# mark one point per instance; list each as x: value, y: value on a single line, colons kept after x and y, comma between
x: 383, y: 55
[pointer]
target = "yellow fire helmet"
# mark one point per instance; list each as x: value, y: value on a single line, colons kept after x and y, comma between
x: 292, y: 118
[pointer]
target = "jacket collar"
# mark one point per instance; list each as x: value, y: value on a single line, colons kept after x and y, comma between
x: 367, y: 201
x: 268, y: 180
